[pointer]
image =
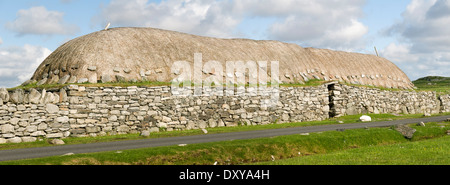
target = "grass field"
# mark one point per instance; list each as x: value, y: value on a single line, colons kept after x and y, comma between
x: 434, y: 83
x: 427, y: 152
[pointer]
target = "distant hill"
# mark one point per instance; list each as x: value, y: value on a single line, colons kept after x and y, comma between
x: 435, y: 83
x: 432, y: 80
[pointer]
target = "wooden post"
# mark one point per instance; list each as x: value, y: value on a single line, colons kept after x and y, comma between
x: 107, y: 26
x: 376, y: 51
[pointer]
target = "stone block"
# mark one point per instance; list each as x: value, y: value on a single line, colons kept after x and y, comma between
x: 7, y: 128
x: 55, y: 135
x: 14, y: 140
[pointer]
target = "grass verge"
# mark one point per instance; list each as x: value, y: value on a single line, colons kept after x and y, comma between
x: 427, y: 152
x: 253, y: 151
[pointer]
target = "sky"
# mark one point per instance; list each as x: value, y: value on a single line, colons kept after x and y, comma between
x: 413, y: 34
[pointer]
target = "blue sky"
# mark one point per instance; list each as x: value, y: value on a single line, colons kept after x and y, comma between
x: 410, y: 33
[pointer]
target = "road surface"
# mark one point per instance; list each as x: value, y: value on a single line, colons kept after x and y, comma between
x: 27, y: 153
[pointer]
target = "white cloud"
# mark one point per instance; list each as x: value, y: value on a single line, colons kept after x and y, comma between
x: 39, y: 21
x: 423, y: 37
x: 327, y: 24
x: 399, y: 53
x: 191, y: 16
x: 19, y: 63
x: 322, y: 23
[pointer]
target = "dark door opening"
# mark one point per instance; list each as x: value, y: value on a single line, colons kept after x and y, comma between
x: 332, y: 110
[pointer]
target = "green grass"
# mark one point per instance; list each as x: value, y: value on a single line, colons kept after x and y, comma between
x: 429, y: 146
x: 434, y: 83
x: 427, y: 152
x: 252, y: 151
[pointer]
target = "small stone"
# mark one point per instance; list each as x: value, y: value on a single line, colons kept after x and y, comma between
x: 82, y: 80
x: 106, y: 78
x: 63, y: 95
x: 18, y: 96
x: 42, y: 82
x: 145, y: 133
x: 55, y: 135
x: 365, y: 118
x: 406, y: 131
x: 56, y: 142
x: 113, y: 118
x: 14, y: 121
x: 92, y: 68
x: 28, y: 139
x: 4, y: 95
x: 204, y: 131
x: 72, y: 79
x: 21, y: 107
x: 93, y: 78
x: 422, y: 124
x: 123, y: 128
x: 120, y: 78
x: 34, y: 96
x: 54, y: 79
x: 127, y: 70
x: 51, y: 108
x: 14, y: 140
x: 7, y: 128
x: 63, y: 119
x: 64, y: 79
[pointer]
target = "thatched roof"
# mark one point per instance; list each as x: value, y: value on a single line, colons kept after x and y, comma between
x: 148, y: 54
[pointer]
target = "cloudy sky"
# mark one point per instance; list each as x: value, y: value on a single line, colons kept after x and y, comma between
x: 414, y: 34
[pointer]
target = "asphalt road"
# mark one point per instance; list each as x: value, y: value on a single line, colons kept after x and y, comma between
x: 27, y: 153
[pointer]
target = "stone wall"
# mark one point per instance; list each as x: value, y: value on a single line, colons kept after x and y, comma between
x: 78, y: 111
x: 92, y: 111
x: 351, y: 100
x: 445, y: 103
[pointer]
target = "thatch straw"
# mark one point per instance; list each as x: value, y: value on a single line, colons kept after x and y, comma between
x: 153, y: 51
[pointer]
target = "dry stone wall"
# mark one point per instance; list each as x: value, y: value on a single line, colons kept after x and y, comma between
x: 92, y: 111
x: 445, y: 103
x: 78, y: 111
x: 351, y: 100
